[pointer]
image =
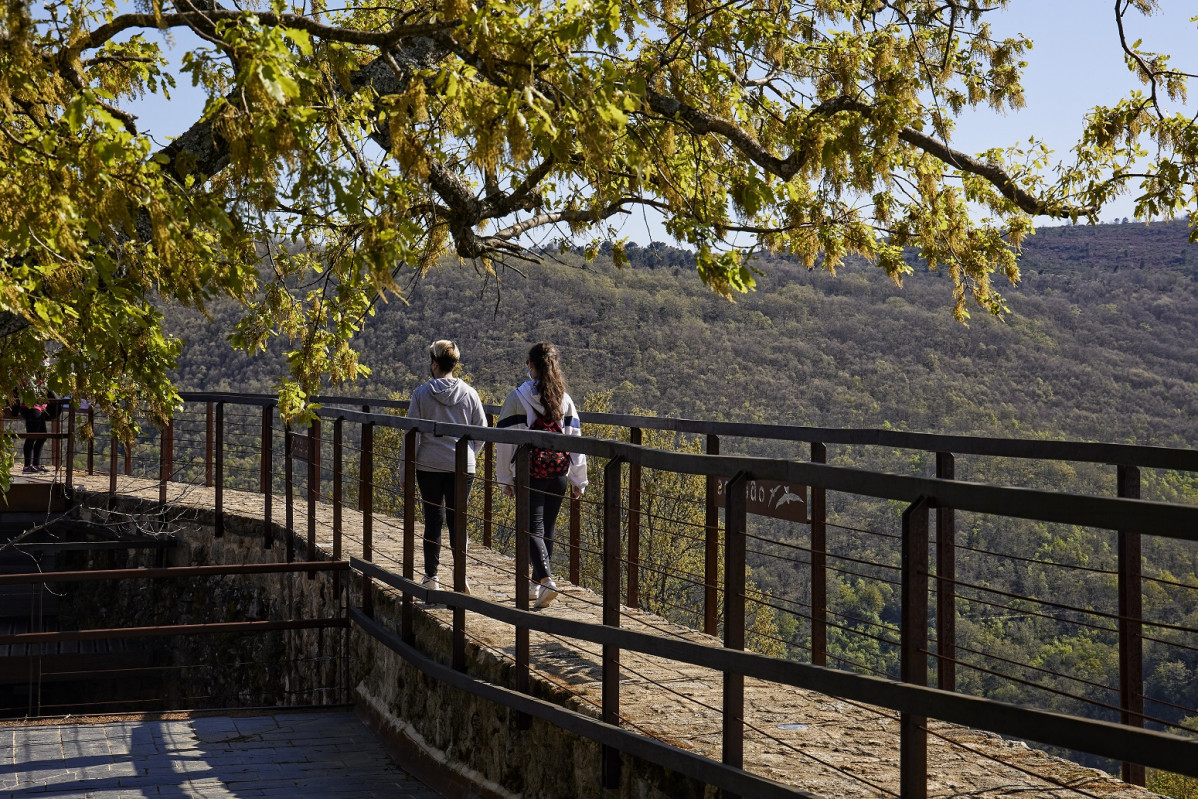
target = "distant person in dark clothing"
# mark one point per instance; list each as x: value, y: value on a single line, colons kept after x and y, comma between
x: 36, y: 418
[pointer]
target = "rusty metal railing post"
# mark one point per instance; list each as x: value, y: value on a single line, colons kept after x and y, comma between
x: 164, y: 463
x: 408, y: 610
x: 488, y: 486
x: 208, y: 436
x: 1131, y: 616
x: 711, y: 549
x: 266, y: 476
x: 946, y: 586
x: 70, y: 477
x: 55, y: 443
x: 112, y: 461
x: 170, y: 449
x: 366, y: 504
x: 635, y: 436
x: 819, y: 563
x: 523, y: 676
x: 913, y: 745
x: 313, y: 487
x: 91, y: 440
x: 735, y: 576
x: 574, y: 556
x: 612, y: 490
x: 338, y: 461
x: 288, y: 495
x: 457, y: 542
x: 219, y: 466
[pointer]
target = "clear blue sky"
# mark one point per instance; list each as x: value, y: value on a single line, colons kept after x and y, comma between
x: 1075, y: 64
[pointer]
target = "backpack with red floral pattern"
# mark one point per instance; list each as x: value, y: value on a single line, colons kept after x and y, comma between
x: 545, y: 463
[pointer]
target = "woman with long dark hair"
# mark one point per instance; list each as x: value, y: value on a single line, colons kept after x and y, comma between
x: 541, y: 403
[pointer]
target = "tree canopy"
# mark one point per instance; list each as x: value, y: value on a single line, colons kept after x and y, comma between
x: 341, y: 145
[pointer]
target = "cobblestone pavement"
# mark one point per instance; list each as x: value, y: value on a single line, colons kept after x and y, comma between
x: 819, y: 743
x: 303, y: 755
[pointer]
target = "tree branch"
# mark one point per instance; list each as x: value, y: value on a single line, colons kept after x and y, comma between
x: 554, y: 217
x: 386, y: 39
x: 786, y: 168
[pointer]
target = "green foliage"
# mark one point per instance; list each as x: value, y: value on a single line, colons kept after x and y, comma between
x: 377, y: 139
x: 1176, y: 786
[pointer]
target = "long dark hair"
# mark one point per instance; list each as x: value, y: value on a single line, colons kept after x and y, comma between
x: 551, y: 383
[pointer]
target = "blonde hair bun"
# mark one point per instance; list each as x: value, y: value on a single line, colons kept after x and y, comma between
x: 445, y: 353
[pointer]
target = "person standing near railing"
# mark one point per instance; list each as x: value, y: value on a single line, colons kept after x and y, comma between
x: 443, y: 398
x: 36, y: 416
x: 541, y: 403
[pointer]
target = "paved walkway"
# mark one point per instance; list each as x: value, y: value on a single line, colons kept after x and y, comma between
x: 303, y: 755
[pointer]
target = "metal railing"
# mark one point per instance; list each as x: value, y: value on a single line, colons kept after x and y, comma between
x: 926, y: 566
x: 78, y: 655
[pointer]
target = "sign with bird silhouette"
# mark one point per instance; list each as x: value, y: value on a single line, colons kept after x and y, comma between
x: 771, y: 498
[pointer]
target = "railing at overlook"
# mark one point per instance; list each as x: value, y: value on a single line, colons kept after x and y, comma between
x: 216, y: 438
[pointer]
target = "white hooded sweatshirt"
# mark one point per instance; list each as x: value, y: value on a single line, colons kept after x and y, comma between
x: 520, y: 409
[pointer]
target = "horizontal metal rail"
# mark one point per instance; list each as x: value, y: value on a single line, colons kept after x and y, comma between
x: 1164, y: 519
x: 1079, y: 451
x: 1155, y: 749
x: 171, y: 572
x: 96, y: 634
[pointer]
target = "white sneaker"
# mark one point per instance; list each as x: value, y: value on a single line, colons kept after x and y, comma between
x: 431, y: 583
x: 466, y: 586
x: 546, y: 593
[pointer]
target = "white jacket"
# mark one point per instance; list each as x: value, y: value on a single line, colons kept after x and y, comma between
x: 520, y: 409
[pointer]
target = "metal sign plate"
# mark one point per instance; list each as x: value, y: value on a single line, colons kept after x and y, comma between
x: 771, y: 498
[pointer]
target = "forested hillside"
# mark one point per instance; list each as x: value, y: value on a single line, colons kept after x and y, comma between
x: 1099, y: 345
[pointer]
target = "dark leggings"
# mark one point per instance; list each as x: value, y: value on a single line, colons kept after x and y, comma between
x: 33, y: 446
x: 545, y: 496
x: 436, y: 490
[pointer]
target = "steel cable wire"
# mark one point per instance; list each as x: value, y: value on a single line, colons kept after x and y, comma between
x: 835, y: 526
x: 624, y: 667
x: 1189, y: 711
x: 891, y: 717
x: 1174, y: 644
x: 1068, y: 608
x: 1048, y: 603
x: 1018, y: 612
x: 860, y: 666
x: 1037, y: 561
x: 874, y: 577
x: 958, y: 647
x: 1174, y: 583
x: 1038, y: 686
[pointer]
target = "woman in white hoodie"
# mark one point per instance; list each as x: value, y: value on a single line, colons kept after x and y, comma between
x: 541, y: 403
x: 443, y: 398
